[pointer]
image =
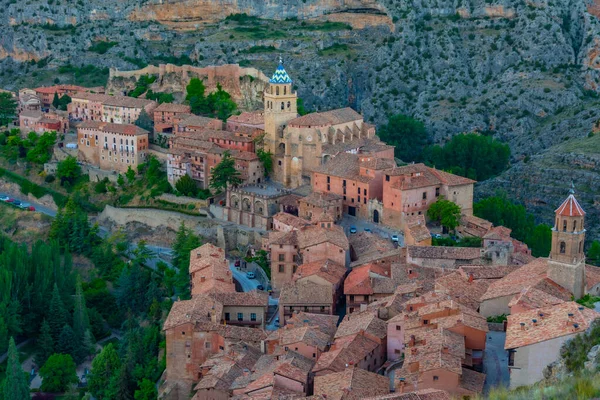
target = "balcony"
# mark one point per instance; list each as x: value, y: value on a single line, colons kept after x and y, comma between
x: 244, y: 322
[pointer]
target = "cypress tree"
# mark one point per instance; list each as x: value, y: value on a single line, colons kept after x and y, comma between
x: 66, y: 341
x: 57, y: 316
x: 81, y: 323
x: 15, y: 385
x: 45, y: 344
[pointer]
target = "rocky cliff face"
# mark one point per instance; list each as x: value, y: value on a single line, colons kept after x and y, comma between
x: 527, y: 71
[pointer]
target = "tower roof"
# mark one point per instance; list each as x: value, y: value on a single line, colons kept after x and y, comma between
x: 280, y: 75
x: 570, y: 208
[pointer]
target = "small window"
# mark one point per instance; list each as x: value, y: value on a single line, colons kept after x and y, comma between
x: 398, y: 328
x: 387, y: 178
x: 563, y: 247
x: 281, y: 268
x: 253, y: 317
x: 437, y: 192
x: 314, y: 355
x: 240, y: 316
x: 183, y: 333
x: 435, y: 377
x: 281, y: 257
x: 424, y: 195
x: 207, y: 345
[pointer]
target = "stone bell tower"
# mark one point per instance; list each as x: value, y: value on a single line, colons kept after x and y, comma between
x: 280, y: 107
x: 566, y: 264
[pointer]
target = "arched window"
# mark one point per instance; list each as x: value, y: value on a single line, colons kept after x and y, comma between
x: 277, y: 90
x: 563, y: 247
x: 564, y: 225
x: 557, y: 225
x: 574, y: 225
x: 580, y: 247
x: 282, y: 105
x: 289, y: 105
x: 285, y: 90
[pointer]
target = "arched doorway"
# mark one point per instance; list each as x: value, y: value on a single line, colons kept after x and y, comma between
x: 376, y: 216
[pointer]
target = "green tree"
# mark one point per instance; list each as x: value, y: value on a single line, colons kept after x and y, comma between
x: 261, y: 257
x: 593, y: 253
x: 220, y: 103
x: 58, y: 373
x: 301, y: 107
x: 130, y: 174
x: 195, y: 89
x: 121, y: 385
x: 225, y: 173
x: 186, y: 186
x: 266, y: 158
x: 185, y: 242
x: 147, y: 390
x: 407, y: 134
x: 64, y: 101
x: 55, y: 100
x: 45, y: 344
x: 8, y: 108
x: 81, y: 324
x: 540, y: 240
x: 57, y: 315
x: 471, y: 155
x: 105, y: 365
x: 445, y: 212
x: 144, y: 121
x: 68, y: 170
x: 15, y: 385
x: 67, y: 341
x: 41, y: 151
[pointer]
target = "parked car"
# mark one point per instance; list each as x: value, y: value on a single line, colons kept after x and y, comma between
x: 352, y: 229
x: 395, y: 238
x: 16, y: 203
x: 31, y: 208
x: 24, y: 205
x: 367, y: 229
x: 260, y: 287
x: 237, y: 263
x: 250, y: 275
x: 10, y: 200
x: 4, y: 198
x: 436, y: 235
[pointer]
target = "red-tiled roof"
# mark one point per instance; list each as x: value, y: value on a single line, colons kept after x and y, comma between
x: 333, y: 117
x: 556, y: 321
x: 326, y: 269
x: 172, y: 107
x: 351, y: 384
x: 570, y: 208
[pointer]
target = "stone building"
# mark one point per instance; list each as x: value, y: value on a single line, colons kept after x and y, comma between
x: 209, y: 270
x: 308, y: 297
x: 167, y: 115
x: 46, y: 93
x: 112, y: 147
x: 196, y: 123
x: 316, y: 204
x: 114, y: 109
x: 411, y: 189
x: 38, y: 122
x: 566, y: 264
x: 28, y: 100
x: 253, y: 205
x: 301, y: 144
x: 416, y: 232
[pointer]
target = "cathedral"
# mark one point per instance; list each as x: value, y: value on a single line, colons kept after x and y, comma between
x: 300, y: 144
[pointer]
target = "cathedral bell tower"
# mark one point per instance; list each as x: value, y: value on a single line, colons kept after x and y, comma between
x: 566, y: 264
x: 280, y: 107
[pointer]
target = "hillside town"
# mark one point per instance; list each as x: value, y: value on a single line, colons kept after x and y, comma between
x: 344, y: 288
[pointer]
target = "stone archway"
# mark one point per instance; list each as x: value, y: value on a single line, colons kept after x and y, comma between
x: 376, y: 216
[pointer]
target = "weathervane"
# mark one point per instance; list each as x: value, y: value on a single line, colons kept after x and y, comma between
x: 572, y: 190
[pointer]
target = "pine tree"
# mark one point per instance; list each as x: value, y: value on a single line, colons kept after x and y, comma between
x: 105, y: 365
x: 225, y: 173
x: 45, y: 344
x: 15, y: 385
x: 57, y: 316
x: 56, y: 101
x: 120, y: 387
x: 66, y: 341
x: 81, y: 323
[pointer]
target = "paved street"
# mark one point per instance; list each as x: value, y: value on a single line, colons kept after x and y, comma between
x: 385, y: 232
x: 38, y: 207
x: 495, y: 361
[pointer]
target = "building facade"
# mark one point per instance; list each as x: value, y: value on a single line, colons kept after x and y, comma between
x: 114, y: 109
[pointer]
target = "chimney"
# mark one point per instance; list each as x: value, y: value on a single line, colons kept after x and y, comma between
x: 541, y: 315
x: 575, y: 326
x: 471, y: 277
x: 522, y: 326
x: 392, y: 383
x: 202, y: 279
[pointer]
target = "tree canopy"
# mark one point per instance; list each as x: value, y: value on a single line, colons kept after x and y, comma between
x: 186, y: 186
x: 266, y: 158
x: 15, y: 386
x: 407, y: 134
x: 445, y: 212
x: 58, y: 373
x: 470, y: 155
x: 68, y: 170
x: 224, y: 173
x: 61, y: 103
x: 217, y: 104
x: 8, y: 108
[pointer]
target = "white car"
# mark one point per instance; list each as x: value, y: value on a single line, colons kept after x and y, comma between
x: 4, y: 198
x: 395, y: 238
x: 250, y: 275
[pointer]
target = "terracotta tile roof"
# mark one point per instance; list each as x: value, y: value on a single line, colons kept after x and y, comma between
x: 289, y: 238
x: 351, y: 384
x: 451, y: 179
x: 424, y: 394
x: 419, y: 175
x: 346, y: 351
x: 202, y: 257
x: 488, y: 271
x: 326, y: 269
x: 31, y: 114
x: 224, y: 368
x: 472, y: 381
x: 445, y: 253
x: 555, y: 322
x: 459, y: 287
x: 418, y: 228
x: 532, y: 298
x: 364, y: 145
x: 198, y: 121
x: 364, y: 243
x: 445, y: 313
x: 313, y: 235
x: 366, y: 322
x: 290, y: 220
x: 320, y: 199
x: 115, y: 101
x: 306, y: 293
x: 290, y: 200
x: 377, y: 163
x: 570, y: 208
x: 199, y: 308
x: 254, y: 298
x: 498, y: 233
x: 532, y: 274
x: 240, y: 333
x: 333, y: 117
x: 172, y: 107
x: 344, y: 165
x: 209, y: 262
x: 592, y: 276
x: 251, y: 118
x: 308, y: 335
x: 325, y: 323
x: 361, y: 280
